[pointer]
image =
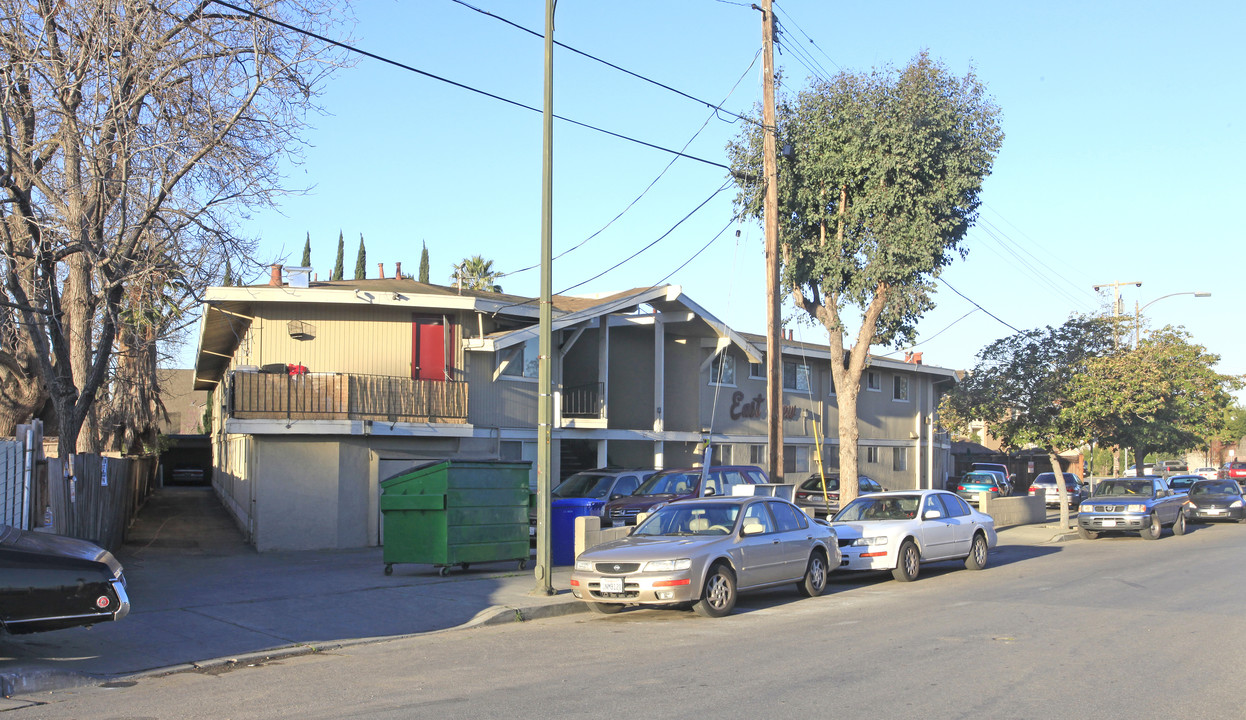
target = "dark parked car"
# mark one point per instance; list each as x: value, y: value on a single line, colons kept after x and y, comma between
x: 49, y: 582
x: 1215, y: 500
x: 679, y: 484
x: 809, y: 493
x: 1132, y: 504
x: 1047, y: 481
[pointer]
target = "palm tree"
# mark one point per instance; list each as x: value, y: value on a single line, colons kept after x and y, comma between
x: 476, y: 273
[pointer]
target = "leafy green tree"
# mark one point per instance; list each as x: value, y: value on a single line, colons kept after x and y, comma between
x: 306, y: 252
x: 424, y: 264
x: 878, y: 191
x: 476, y: 273
x: 337, y: 266
x: 1021, y: 388
x: 1164, y: 396
x: 361, y: 261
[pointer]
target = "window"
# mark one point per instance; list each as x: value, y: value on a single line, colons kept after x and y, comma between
x: 795, y: 376
x: 795, y: 458
x: 900, y: 388
x: 899, y: 458
x: 956, y: 507
x: 722, y: 369
x: 757, y: 513
x: 830, y: 383
x: 525, y: 362
x: 873, y: 381
x: 787, y: 517
x: 757, y: 371
x: 871, y: 455
x: 757, y: 455
x: 626, y: 485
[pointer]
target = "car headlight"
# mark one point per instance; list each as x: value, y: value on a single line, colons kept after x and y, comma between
x: 667, y: 565
x: 1085, y: 508
x: 866, y: 541
x: 1236, y: 503
x: 586, y: 565
x: 1135, y: 508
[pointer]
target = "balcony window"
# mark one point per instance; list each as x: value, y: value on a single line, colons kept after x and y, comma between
x: 524, y: 362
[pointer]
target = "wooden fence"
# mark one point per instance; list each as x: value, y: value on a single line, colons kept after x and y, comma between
x: 95, y: 497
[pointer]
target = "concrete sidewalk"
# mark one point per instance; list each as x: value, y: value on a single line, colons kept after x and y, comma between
x: 201, y: 597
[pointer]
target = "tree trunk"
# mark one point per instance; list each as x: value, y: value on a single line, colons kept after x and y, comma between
x: 1062, y: 492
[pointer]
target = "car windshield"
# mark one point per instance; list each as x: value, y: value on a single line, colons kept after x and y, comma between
x: 1124, y: 487
x: 672, y: 483
x: 814, y: 484
x: 880, y: 507
x: 584, y: 485
x: 685, y: 519
x: 1214, y: 488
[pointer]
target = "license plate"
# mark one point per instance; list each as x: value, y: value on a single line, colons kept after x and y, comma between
x: 612, y: 585
x: 1109, y: 523
x: 1214, y: 511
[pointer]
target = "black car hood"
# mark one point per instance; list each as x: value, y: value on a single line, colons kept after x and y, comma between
x: 56, y: 545
x: 1216, y: 499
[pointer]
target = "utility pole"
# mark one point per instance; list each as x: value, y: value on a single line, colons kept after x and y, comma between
x: 1116, y: 303
x: 545, y: 402
x: 774, y: 340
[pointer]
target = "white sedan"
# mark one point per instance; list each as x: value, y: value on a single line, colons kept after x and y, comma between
x: 900, y: 530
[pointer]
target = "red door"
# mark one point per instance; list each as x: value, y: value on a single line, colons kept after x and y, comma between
x: 429, y: 349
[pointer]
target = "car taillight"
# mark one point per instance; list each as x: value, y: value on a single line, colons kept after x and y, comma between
x: 102, y: 602
x: 960, y: 487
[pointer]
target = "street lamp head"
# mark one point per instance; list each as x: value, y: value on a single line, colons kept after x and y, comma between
x: 1202, y: 294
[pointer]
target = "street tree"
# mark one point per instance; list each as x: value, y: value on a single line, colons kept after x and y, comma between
x: 337, y: 265
x: 1163, y: 396
x: 361, y: 261
x: 133, y: 135
x: 879, y: 188
x: 306, y: 262
x: 1022, y: 385
x: 424, y: 264
x: 476, y: 273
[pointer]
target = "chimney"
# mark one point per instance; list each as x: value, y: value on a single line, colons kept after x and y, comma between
x: 274, y: 280
x: 380, y: 270
x: 397, y: 271
x: 917, y: 358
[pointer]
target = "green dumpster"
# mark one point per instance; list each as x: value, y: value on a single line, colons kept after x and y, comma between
x: 456, y: 512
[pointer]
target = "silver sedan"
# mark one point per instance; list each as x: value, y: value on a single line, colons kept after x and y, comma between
x: 704, y: 552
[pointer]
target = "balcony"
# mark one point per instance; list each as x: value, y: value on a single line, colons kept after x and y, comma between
x: 583, y: 401
x: 339, y: 396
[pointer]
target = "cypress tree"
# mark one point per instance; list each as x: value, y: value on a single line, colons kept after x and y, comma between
x: 228, y: 280
x: 361, y: 270
x: 306, y: 252
x: 424, y: 264
x: 337, y: 267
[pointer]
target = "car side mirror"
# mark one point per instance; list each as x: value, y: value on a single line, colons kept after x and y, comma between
x: 709, y: 492
x: 616, y: 496
x: 754, y: 528
x: 932, y: 515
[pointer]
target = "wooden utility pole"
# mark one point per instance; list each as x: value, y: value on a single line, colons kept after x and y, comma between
x: 774, y: 328
x: 545, y: 402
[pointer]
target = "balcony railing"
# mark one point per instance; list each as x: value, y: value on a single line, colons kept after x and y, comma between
x: 338, y: 396
x: 583, y: 401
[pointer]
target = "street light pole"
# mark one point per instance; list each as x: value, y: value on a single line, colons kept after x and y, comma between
x: 1138, y: 310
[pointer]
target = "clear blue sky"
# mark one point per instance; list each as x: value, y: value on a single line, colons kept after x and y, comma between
x: 1123, y: 157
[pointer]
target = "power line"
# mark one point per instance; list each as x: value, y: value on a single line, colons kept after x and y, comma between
x: 478, y: 91
x: 971, y: 302
x: 650, y: 185
x: 607, y: 63
x: 807, y: 37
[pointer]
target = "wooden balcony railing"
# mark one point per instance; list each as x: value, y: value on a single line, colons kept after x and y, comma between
x: 339, y: 396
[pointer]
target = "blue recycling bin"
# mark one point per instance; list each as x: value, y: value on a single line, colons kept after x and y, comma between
x: 563, y: 513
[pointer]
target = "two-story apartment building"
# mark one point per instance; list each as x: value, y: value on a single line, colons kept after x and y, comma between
x: 323, y: 389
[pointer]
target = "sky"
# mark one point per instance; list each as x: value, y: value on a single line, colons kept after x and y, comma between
x: 1122, y: 158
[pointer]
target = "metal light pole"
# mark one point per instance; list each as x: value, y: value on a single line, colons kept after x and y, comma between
x: 1138, y: 310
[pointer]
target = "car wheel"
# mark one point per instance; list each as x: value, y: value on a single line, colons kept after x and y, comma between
x: 977, y: 553
x: 718, y: 595
x: 606, y: 608
x: 815, y: 576
x: 1153, y: 529
x: 1178, y: 525
x: 908, y: 562
x: 1087, y: 534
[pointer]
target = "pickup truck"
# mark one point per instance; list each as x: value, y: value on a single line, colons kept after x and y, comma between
x: 1131, y: 504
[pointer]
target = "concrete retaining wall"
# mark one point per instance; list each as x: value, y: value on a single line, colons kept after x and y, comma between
x: 589, y: 533
x: 1022, y: 510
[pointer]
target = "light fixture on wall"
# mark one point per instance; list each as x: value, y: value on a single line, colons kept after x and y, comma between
x: 300, y: 330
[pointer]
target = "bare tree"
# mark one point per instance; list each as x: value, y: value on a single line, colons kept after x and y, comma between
x: 133, y: 133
